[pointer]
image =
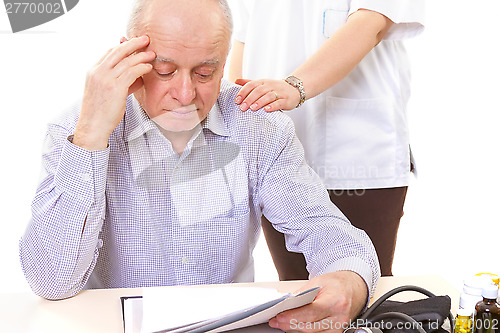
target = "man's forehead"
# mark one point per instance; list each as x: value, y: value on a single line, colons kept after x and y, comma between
x: 165, y: 41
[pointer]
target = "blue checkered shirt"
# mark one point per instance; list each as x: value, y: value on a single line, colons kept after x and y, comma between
x: 137, y: 214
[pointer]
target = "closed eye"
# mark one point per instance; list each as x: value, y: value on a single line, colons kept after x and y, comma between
x: 165, y: 76
x: 204, y: 77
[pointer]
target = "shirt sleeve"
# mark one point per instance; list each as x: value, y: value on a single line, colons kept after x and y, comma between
x: 407, y: 15
x: 60, y: 245
x: 297, y: 204
x: 240, y: 13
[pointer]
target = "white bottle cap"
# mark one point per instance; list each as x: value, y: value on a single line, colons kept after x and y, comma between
x: 475, y: 284
x: 473, y: 290
x: 469, y: 301
x: 490, y: 292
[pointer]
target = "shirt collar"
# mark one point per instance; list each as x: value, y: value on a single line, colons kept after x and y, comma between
x: 137, y: 122
x: 215, y: 121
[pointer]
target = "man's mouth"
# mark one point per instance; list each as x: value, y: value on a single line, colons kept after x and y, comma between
x: 184, y: 110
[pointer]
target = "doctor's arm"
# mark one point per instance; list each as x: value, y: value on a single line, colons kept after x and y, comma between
x: 236, y: 61
x: 336, y: 58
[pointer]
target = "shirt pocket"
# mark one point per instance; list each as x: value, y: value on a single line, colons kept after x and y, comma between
x: 222, y: 192
x: 360, y: 140
x: 334, y: 15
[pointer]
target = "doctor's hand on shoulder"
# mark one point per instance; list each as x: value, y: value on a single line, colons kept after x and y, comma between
x: 108, y: 83
x: 331, y: 63
x: 272, y: 95
x: 341, y: 298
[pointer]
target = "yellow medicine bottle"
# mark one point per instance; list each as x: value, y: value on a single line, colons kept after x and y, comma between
x: 464, y: 321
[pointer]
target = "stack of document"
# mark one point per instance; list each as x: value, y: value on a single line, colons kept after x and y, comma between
x: 206, y: 309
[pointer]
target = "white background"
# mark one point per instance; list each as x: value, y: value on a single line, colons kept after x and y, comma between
x: 451, y: 220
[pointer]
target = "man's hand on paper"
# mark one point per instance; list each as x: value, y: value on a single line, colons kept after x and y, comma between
x: 342, y: 296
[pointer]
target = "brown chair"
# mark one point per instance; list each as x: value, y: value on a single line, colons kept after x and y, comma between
x: 290, y: 265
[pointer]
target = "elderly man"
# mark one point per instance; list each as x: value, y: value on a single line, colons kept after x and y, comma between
x: 158, y: 179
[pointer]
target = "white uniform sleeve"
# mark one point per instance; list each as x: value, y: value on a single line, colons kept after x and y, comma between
x: 407, y: 15
x: 240, y: 13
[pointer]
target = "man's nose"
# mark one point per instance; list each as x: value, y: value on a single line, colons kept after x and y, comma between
x: 185, y: 91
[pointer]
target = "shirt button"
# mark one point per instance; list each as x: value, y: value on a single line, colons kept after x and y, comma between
x: 184, y: 260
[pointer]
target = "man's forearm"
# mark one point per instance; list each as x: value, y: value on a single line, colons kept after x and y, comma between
x: 60, y: 245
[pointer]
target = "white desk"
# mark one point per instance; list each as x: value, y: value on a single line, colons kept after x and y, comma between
x: 100, y: 310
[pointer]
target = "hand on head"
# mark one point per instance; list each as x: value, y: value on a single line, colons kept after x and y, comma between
x: 138, y: 82
x: 107, y: 86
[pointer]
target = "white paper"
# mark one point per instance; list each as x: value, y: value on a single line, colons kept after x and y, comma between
x: 291, y: 302
x: 173, y: 307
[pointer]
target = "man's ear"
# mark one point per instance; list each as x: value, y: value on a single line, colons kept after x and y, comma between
x: 136, y: 86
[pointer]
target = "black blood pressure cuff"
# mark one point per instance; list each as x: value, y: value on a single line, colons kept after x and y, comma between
x: 430, y: 314
x: 422, y: 316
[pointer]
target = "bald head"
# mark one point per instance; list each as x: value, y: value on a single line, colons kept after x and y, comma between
x: 136, y: 23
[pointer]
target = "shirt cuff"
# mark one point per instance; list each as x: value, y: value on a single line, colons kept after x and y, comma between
x: 82, y: 173
x: 358, y: 266
x: 407, y: 15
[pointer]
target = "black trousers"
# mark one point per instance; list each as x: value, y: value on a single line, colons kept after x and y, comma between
x: 376, y: 211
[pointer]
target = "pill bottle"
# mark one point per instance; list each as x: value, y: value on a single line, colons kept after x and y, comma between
x: 487, y: 319
x: 464, y: 321
x: 493, y: 277
x: 471, y: 292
